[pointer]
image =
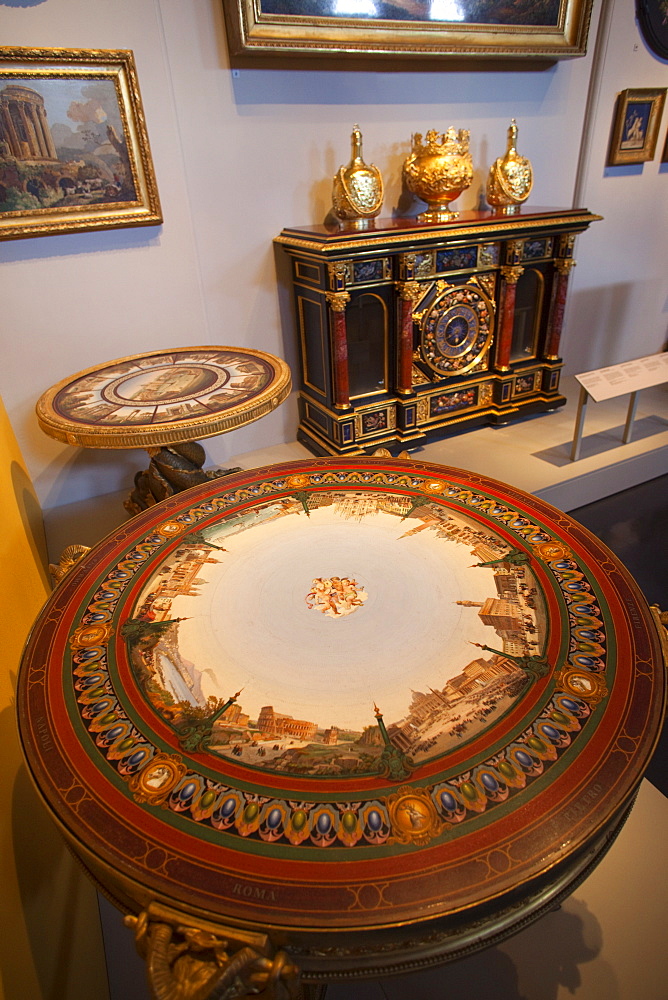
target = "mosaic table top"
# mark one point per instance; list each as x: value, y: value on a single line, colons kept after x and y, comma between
x: 342, y: 695
x: 164, y: 397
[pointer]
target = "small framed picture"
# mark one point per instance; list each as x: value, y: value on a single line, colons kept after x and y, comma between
x: 636, y: 126
x: 74, y: 152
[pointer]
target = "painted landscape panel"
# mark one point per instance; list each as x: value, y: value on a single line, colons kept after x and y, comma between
x: 320, y: 631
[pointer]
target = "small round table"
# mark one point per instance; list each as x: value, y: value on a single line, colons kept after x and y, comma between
x: 161, y: 401
x: 339, y: 718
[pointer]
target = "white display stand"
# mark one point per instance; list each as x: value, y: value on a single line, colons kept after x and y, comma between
x: 617, y: 380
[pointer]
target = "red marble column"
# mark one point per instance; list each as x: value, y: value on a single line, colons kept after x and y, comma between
x: 557, y: 307
x: 409, y: 292
x: 337, y: 304
x: 504, y: 340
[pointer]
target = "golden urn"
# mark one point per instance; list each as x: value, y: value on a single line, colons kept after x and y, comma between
x: 357, y: 195
x: 510, y: 177
x: 438, y: 171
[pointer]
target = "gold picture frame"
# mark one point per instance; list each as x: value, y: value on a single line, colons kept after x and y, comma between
x: 635, y: 126
x: 74, y: 150
x: 307, y: 28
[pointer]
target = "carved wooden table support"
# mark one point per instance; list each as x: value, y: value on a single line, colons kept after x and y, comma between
x: 189, y: 959
x: 173, y: 467
x: 69, y: 557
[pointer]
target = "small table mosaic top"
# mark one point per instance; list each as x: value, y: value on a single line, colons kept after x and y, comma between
x: 330, y: 698
x: 164, y: 397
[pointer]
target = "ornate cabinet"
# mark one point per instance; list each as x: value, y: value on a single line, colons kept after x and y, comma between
x: 409, y: 331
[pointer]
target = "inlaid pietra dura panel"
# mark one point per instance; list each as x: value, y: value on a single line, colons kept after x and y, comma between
x: 341, y: 695
x: 456, y: 327
x: 163, y: 397
x: 468, y: 312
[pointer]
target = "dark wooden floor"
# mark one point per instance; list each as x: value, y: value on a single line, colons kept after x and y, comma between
x: 634, y: 524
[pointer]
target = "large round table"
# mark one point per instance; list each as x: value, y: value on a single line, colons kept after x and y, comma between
x: 339, y: 717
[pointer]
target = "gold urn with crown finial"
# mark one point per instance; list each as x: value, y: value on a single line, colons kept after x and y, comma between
x: 357, y: 194
x: 438, y: 171
x: 510, y: 177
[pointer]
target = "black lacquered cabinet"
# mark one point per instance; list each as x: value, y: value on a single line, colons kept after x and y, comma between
x: 410, y: 331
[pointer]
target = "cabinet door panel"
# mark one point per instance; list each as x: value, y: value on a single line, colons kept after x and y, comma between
x: 367, y: 327
x: 528, y: 310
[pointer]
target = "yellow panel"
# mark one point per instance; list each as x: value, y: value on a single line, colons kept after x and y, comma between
x: 51, y: 944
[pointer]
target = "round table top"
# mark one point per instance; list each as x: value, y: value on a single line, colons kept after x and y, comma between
x: 341, y: 695
x: 164, y: 397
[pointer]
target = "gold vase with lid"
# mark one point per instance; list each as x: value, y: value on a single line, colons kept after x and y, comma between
x: 438, y: 170
x: 510, y: 177
x: 357, y: 194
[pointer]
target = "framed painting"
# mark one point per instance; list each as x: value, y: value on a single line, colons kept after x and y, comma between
x: 653, y: 21
x: 74, y: 151
x: 636, y: 126
x: 412, y: 28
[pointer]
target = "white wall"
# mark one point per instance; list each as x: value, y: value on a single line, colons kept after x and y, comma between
x: 240, y: 155
x: 618, y: 308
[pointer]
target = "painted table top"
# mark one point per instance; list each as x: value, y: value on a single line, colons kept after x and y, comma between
x: 341, y: 695
x: 164, y: 397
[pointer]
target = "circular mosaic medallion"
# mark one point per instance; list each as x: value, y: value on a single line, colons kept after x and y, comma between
x: 456, y: 329
x: 337, y: 696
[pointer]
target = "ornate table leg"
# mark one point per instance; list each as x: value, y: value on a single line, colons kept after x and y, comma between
x: 174, y: 467
x: 189, y: 959
x: 69, y: 557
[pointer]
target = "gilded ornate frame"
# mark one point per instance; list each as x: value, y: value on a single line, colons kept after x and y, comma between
x: 253, y: 32
x: 636, y: 126
x: 107, y: 180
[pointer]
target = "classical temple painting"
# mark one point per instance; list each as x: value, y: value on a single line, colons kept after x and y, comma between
x: 62, y: 143
x: 72, y: 143
x: 236, y: 636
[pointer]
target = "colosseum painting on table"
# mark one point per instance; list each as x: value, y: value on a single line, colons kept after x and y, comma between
x: 74, y: 152
x: 212, y: 627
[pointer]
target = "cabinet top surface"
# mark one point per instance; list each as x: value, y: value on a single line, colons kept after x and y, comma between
x: 398, y: 230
